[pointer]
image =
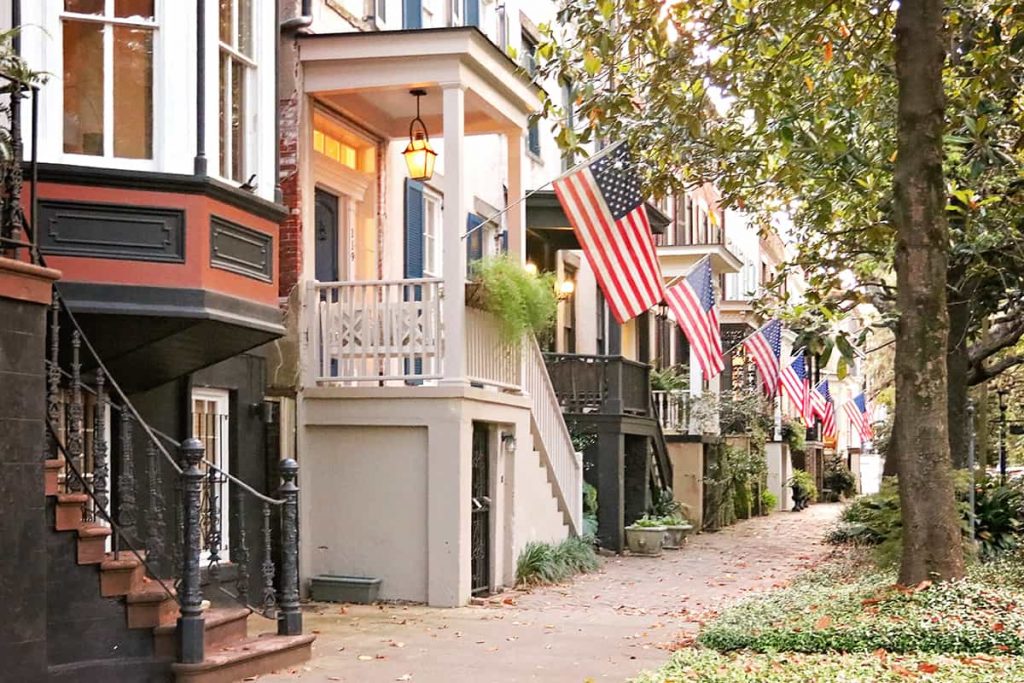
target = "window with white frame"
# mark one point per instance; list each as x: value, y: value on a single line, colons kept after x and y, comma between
x: 108, y: 77
x: 237, y: 75
x: 431, y: 233
x: 455, y: 12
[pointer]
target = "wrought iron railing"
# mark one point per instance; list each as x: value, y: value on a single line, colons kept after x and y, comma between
x: 176, y: 543
x: 610, y: 385
x: 16, y: 236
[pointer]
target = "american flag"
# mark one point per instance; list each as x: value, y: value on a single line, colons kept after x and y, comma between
x: 824, y: 408
x: 857, y: 411
x: 693, y: 303
x: 603, y: 202
x: 765, y: 347
x: 794, y: 385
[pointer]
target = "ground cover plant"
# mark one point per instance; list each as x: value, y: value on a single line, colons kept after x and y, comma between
x: 709, y: 666
x: 545, y: 563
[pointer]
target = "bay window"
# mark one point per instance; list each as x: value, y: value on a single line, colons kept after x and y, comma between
x: 237, y: 73
x: 108, y: 77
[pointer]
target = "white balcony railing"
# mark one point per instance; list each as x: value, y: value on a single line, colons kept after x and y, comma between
x: 680, y: 413
x: 376, y: 331
x: 490, y: 360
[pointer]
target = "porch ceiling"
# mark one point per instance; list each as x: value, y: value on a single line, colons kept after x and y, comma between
x: 368, y: 76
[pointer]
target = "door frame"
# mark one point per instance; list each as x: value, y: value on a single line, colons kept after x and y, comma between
x: 222, y: 399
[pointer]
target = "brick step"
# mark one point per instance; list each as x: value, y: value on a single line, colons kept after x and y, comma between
x: 222, y: 628
x: 51, y: 470
x: 92, y: 543
x: 121, y: 574
x: 69, y: 510
x: 150, y: 606
x: 246, y: 658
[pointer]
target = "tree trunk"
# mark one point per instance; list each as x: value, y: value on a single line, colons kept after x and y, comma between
x: 891, y: 467
x: 957, y: 366
x: 931, y: 526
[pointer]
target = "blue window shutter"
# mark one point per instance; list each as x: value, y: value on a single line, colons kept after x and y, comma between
x: 474, y: 240
x: 412, y: 13
x: 413, y: 229
x: 472, y: 13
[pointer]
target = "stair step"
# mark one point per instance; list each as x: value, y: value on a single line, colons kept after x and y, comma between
x: 51, y: 470
x: 245, y: 658
x: 69, y: 510
x: 222, y: 627
x: 121, y: 574
x: 92, y: 543
x: 151, y: 606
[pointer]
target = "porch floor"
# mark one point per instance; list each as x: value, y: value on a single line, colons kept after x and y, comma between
x: 609, y: 625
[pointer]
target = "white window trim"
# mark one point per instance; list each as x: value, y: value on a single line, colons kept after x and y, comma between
x: 432, y: 196
x: 222, y: 397
x: 107, y: 159
x: 251, y: 96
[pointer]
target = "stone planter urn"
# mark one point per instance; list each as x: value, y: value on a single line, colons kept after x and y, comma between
x: 645, y: 540
x: 675, y: 535
x: 800, y: 498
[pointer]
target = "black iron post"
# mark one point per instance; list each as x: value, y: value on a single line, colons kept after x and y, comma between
x: 971, y: 468
x: 289, y: 616
x: 1002, y: 435
x: 190, y: 623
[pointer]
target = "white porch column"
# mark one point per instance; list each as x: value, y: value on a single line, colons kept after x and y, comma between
x: 515, y: 218
x: 453, y: 247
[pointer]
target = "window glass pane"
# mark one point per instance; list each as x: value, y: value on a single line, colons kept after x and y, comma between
x: 134, y: 9
x: 84, y: 6
x: 225, y: 22
x: 83, y: 87
x: 237, y: 120
x: 133, y: 92
x: 245, y: 27
x: 225, y: 104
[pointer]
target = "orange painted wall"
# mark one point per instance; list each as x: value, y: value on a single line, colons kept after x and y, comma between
x: 195, y: 272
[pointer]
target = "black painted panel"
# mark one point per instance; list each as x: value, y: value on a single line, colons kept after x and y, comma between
x: 241, y: 250
x: 112, y: 231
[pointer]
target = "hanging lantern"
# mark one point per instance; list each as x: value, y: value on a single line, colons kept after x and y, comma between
x: 419, y: 155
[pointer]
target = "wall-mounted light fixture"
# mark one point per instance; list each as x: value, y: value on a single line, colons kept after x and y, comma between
x: 530, y: 267
x: 508, y: 442
x: 566, y: 288
x: 419, y: 155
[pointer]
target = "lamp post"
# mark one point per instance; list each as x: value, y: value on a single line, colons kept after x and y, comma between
x: 1002, y: 434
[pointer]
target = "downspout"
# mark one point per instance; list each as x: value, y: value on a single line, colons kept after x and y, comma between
x: 287, y: 27
x: 200, y: 160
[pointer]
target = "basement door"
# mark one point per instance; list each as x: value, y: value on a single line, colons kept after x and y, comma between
x: 480, y: 526
x: 211, y: 421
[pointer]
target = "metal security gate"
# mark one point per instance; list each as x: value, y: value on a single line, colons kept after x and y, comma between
x: 480, y: 529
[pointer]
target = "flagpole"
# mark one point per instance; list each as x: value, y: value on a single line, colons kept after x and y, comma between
x: 589, y: 160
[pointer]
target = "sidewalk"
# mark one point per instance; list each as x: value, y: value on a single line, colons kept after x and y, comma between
x: 605, y: 626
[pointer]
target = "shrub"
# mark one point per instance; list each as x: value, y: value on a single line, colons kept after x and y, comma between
x: 769, y: 501
x: 708, y: 666
x: 804, y: 481
x: 673, y: 378
x: 545, y: 563
x: 523, y: 302
x: 841, y: 482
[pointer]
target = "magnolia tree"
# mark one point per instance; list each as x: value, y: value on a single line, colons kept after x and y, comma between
x: 900, y: 169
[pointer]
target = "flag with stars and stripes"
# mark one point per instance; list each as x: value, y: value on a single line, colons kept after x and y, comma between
x: 765, y: 348
x: 794, y: 385
x: 693, y: 303
x: 824, y: 408
x: 602, y: 200
x: 857, y: 411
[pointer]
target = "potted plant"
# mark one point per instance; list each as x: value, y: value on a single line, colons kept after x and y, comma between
x: 803, y: 489
x: 676, y: 531
x: 523, y: 302
x: 646, y: 536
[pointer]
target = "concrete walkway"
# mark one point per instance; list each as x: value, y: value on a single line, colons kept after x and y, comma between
x: 606, y: 626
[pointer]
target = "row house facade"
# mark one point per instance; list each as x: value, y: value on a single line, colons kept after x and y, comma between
x: 150, y: 192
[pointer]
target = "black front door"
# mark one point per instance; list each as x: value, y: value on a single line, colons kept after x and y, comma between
x: 326, y: 236
x: 480, y: 529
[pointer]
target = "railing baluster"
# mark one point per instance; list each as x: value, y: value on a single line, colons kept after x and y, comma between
x: 75, y: 426
x: 53, y: 380
x: 240, y: 551
x: 156, y: 527
x: 191, y: 622
x: 213, y: 539
x: 289, y: 617
x: 126, y: 479
x: 101, y: 471
x: 269, y: 600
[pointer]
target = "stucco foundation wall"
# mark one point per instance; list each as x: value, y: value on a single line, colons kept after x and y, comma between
x: 367, y: 488
x: 780, y: 469
x: 688, y: 478
x: 537, y: 517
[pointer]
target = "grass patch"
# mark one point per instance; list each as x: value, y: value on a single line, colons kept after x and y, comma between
x: 547, y: 563
x: 708, y: 666
x: 832, y: 610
